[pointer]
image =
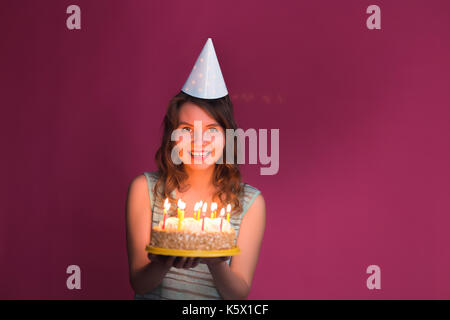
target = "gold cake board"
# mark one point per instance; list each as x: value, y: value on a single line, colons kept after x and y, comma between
x: 193, y: 253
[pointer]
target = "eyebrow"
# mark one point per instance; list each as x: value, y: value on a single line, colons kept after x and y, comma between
x: 214, y: 124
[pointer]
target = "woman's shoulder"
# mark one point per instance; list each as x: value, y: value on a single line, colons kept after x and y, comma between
x: 138, y: 182
x: 143, y: 186
x: 249, y: 189
x: 145, y: 178
x: 143, y: 181
x: 151, y: 175
x: 249, y: 196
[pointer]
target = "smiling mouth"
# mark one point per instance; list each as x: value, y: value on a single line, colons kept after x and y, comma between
x: 199, y: 155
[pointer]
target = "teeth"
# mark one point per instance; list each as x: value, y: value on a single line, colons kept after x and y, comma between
x: 200, y: 154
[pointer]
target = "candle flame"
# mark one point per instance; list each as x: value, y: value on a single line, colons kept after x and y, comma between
x: 213, y: 206
x: 222, y: 212
x: 205, y: 206
x: 229, y: 208
x: 167, y: 204
x: 181, y: 204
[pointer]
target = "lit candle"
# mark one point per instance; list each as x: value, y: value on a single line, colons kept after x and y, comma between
x: 196, y: 209
x: 213, y: 209
x: 222, y: 214
x: 199, y: 208
x: 205, y: 206
x: 228, y: 212
x: 181, y: 206
x: 166, y: 208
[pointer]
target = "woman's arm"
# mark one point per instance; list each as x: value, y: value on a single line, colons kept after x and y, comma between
x: 144, y: 274
x: 146, y: 271
x: 234, y: 281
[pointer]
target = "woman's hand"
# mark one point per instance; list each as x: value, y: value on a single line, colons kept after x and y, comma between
x: 213, y: 261
x: 172, y: 261
x: 184, y: 262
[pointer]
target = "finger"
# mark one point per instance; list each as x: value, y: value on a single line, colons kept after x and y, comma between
x: 170, y: 261
x: 179, y: 262
x: 195, y: 262
x: 188, y: 263
x: 154, y: 257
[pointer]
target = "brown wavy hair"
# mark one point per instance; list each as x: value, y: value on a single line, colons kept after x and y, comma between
x: 226, y: 177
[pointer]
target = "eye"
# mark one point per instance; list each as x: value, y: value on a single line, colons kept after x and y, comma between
x: 187, y: 129
x: 213, y: 130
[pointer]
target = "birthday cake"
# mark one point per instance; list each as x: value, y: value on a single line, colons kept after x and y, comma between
x: 193, y: 234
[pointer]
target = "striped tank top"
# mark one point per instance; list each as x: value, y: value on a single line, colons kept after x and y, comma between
x: 194, y: 283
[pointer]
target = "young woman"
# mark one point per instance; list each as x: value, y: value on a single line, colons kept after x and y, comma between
x: 197, y: 177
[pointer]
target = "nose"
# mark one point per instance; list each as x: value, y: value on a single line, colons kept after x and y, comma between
x: 198, y: 139
x: 200, y: 145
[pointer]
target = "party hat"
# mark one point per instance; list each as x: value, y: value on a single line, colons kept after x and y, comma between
x: 206, y: 80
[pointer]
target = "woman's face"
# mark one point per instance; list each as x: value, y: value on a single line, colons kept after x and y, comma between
x: 203, y: 138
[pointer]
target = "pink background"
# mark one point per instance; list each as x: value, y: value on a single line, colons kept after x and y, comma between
x: 364, y: 138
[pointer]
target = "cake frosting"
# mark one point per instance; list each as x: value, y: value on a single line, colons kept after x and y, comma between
x: 191, y: 236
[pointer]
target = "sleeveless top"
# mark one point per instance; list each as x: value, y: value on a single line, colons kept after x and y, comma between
x: 194, y: 283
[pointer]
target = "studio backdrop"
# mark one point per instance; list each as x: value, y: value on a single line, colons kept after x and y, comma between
x: 357, y: 200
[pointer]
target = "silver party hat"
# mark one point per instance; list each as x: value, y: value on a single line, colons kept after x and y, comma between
x: 206, y: 80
